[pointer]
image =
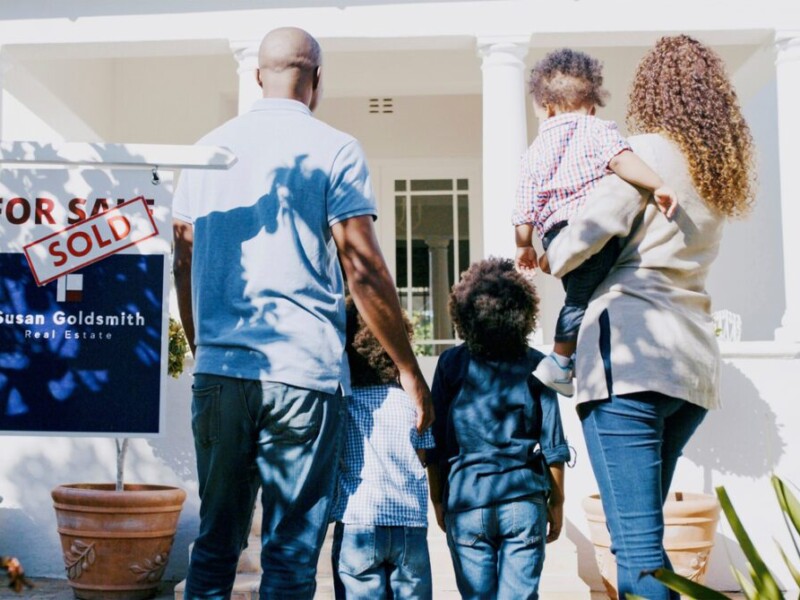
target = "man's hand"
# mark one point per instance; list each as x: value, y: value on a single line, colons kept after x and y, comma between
x: 666, y: 200
x: 555, y: 520
x: 415, y: 386
x: 526, y: 260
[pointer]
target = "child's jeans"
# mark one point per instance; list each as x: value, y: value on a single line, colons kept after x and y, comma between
x: 498, y: 550
x: 373, y: 562
x: 580, y: 284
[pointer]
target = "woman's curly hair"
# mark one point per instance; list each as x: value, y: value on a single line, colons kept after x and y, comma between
x: 494, y: 309
x: 681, y: 90
x: 369, y: 362
x: 568, y: 80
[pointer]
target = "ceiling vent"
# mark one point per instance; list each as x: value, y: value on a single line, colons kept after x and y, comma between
x: 381, y: 106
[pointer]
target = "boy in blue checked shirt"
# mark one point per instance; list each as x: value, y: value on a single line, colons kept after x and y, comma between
x: 380, y: 547
x: 572, y: 153
x: 497, y: 475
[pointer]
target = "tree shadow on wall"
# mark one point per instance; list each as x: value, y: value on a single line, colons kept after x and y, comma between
x: 743, y: 438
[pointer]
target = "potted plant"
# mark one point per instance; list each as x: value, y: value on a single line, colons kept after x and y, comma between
x: 116, y: 538
x: 690, y: 521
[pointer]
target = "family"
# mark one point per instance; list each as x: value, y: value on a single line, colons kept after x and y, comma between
x: 306, y: 385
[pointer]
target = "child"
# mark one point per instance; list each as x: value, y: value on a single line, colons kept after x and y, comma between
x: 496, y: 477
x: 380, y: 544
x: 572, y: 152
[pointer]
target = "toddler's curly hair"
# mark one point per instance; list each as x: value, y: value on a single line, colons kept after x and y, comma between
x: 369, y: 362
x: 568, y: 80
x: 494, y: 309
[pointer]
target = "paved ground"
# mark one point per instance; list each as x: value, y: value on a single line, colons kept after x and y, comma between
x: 58, y: 589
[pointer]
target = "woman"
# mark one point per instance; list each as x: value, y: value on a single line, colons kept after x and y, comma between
x: 647, y: 366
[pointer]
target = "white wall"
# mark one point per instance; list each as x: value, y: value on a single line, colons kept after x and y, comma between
x: 420, y: 126
x: 748, y: 276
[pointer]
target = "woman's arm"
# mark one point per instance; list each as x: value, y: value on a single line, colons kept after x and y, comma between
x: 609, y: 212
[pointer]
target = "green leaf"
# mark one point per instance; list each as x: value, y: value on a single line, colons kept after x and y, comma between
x: 747, y: 587
x: 790, y: 507
x: 762, y: 578
x: 685, y: 586
x: 788, y: 501
x: 792, y: 569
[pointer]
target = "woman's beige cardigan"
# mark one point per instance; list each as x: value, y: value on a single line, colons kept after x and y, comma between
x: 652, y: 311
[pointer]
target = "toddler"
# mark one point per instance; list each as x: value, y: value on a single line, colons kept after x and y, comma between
x: 380, y: 547
x: 496, y: 476
x: 573, y: 151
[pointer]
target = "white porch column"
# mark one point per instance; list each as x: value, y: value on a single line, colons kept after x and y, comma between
x: 440, y: 286
x: 504, y: 137
x: 787, y: 67
x: 246, y: 55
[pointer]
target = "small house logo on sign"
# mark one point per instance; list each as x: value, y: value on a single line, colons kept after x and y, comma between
x: 69, y: 288
x: 90, y: 240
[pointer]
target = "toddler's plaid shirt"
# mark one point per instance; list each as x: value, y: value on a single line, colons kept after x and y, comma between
x: 563, y: 164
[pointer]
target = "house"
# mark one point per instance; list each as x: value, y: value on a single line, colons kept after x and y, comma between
x: 436, y: 92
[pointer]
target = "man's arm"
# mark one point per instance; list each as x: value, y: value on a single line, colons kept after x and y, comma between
x: 373, y: 291
x: 183, y: 242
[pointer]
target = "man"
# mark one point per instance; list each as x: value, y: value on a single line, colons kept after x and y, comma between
x: 260, y: 294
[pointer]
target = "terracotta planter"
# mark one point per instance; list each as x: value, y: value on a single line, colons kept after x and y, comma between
x: 690, y: 521
x: 116, y: 544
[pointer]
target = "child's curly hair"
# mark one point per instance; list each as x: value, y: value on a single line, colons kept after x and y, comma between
x: 568, y: 80
x: 681, y: 90
x: 494, y: 309
x: 369, y: 362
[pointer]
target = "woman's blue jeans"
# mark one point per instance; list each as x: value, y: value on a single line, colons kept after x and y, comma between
x: 498, y: 550
x: 634, y: 442
x: 288, y: 440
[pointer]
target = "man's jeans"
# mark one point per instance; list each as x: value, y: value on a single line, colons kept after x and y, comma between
x: 498, y: 550
x: 634, y: 443
x: 289, y: 436
x: 375, y: 562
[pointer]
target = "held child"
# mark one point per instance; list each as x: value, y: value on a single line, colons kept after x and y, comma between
x: 496, y: 476
x: 380, y: 547
x: 573, y: 151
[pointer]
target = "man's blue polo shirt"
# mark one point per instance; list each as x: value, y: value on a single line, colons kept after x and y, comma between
x: 267, y: 287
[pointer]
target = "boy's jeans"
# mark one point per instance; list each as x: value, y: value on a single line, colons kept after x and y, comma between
x: 633, y: 443
x: 289, y: 436
x: 580, y: 283
x: 376, y: 562
x: 498, y: 550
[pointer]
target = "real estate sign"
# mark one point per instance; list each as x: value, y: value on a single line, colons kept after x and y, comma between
x: 84, y: 280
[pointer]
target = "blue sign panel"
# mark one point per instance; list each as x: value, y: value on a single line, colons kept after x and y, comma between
x: 83, y: 353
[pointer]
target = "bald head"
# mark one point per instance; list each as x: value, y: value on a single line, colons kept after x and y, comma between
x: 289, y: 48
x: 289, y: 66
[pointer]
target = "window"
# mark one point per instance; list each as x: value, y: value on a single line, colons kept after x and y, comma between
x: 432, y: 247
